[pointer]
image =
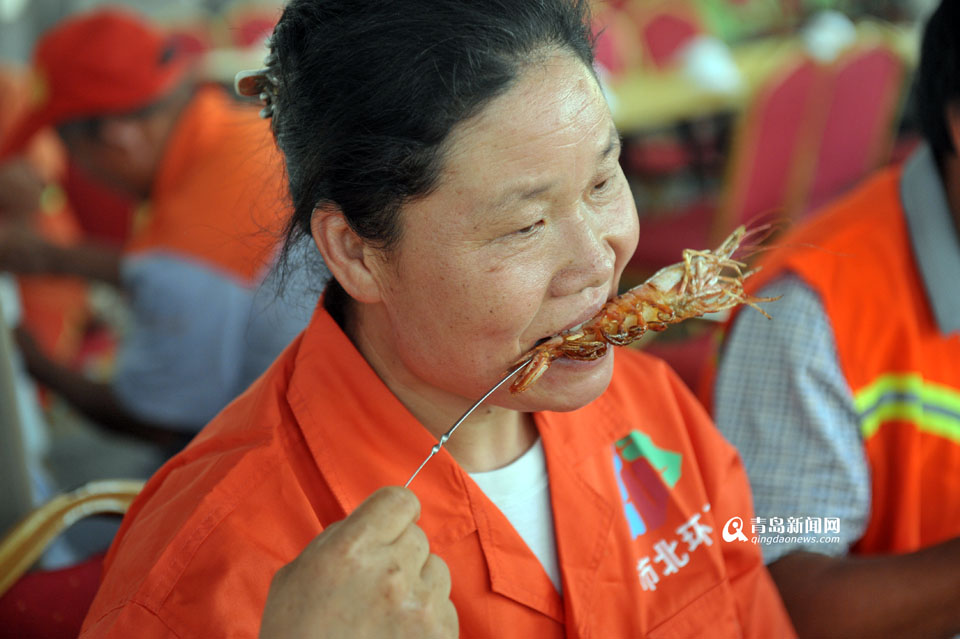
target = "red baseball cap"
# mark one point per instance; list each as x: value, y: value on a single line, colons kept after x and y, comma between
x: 107, y: 61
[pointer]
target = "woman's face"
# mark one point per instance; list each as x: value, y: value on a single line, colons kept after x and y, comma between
x: 526, y: 235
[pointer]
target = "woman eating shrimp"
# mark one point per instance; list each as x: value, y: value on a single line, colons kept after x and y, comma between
x: 456, y: 165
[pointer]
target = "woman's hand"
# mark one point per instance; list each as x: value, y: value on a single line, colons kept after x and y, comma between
x: 369, y: 575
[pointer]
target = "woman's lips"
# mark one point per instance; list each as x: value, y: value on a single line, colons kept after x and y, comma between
x: 580, y: 364
x: 584, y: 317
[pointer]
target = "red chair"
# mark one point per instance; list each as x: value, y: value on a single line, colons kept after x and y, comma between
x: 52, y: 604
x: 769, y: 154
x: 767, y: 160
x: 618, y: 48
x: 863, y: 97
x: 664, y: 28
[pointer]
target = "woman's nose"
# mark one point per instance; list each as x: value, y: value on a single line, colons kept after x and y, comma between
x: 591, y: 260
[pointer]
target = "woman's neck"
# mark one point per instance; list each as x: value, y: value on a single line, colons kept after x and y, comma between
x: 490, y: 438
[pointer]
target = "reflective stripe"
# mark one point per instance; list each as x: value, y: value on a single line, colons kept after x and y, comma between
x: 933, y: 408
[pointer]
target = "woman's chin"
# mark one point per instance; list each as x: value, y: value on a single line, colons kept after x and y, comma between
x: 567, y: 385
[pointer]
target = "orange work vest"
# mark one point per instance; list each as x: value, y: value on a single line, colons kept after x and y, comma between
x: 904, y: 374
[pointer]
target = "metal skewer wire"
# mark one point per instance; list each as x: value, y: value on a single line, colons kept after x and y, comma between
x: 446, y: 435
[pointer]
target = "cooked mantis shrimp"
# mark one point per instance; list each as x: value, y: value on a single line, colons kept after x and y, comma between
x: 704, y: 282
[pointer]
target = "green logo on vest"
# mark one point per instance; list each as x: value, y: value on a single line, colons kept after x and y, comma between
x: 645, y: 473
x: 666, y: 462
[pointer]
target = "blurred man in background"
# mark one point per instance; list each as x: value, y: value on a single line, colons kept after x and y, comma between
x: 847, y: 406
x: 127, y: 107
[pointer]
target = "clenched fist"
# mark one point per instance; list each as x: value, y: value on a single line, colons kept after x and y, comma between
x: 370, y: 575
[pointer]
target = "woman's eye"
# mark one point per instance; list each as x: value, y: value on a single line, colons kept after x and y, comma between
x: 529, y: 230
x: 599, y: 187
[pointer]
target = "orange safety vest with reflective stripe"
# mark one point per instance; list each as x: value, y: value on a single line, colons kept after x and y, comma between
x: 903, y: 372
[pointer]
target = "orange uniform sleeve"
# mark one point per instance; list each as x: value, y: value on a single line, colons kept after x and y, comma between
x: 197, y: 552
x: 119, y: 622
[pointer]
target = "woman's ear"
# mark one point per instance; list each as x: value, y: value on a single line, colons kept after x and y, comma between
x: 346, y: 255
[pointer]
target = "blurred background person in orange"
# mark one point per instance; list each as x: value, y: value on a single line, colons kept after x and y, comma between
x: 126, y: 105
x: 52, y: 308
x: 847, y: 405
